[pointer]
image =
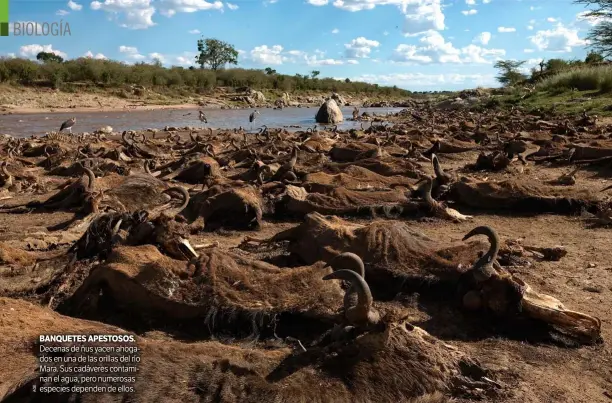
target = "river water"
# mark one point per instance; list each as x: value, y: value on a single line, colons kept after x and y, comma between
x: 25, y: 125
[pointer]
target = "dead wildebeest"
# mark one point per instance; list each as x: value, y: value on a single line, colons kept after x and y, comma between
x: 396, y: 362
x: 399, y: 259
x: 74, y: 194
x: 228, y: 205
x: 523, y: 196
x: 138, y: 228
x: 358, y: 178
x: 328, y: 199
x: 231, y: 294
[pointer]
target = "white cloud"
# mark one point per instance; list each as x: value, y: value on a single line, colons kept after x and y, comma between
x: 232, y: 6
x: 360, y: 47
x: 530, y: 27
x: 439, y: 81
x: 470, y: 2
x: 11, y: 55
x: 506, y: 29
x: 590, y: 20
x: 533, y: 8
x: 89, y: 54
x: 157, y: 56
x: 486, y: 1
x: 551, y: 19
x: 62, y: 13
x: 195, y: 31
x: 483, y: 38
x: 131, y: 52
x: 265, y: 55
x: 74, y: 6
x: 469, y: 12
x: 132, y: 14
x: 435, y: 49
x: 558, y: 39
x: 30, y: 51
x: 276, y: 55
x: 386, y: 33
x: 170, y: 7
x: 528, y: 50
x: 335, y: 31
x: 422, y: 16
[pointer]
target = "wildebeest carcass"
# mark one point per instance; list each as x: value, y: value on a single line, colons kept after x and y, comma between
x: 398, y: 259
x: 230, y: 205
x: 395, y: 361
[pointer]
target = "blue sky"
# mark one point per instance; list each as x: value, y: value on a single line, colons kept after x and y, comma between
x: 414, y: 44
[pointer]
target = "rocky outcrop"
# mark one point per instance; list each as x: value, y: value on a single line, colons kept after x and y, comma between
x: 329, y: 112
x: 338, y: 98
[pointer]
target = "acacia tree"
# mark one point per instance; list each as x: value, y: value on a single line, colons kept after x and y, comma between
x: 46, y: 57
x: 509, y: 71
x: 314, y: 73
x: 600, y: 35
x: 215, y: 53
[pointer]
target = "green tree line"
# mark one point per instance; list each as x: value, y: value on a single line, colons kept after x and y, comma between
x: 213, y: 55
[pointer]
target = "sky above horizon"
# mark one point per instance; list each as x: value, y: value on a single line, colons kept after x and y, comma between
x: 419, y: 45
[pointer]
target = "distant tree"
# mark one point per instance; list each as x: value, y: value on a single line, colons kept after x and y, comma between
x: 156, y: 62
x: 269, y: 71
x: 348, y: 80
x: 594, y: 57
x: 47, y: 57
x: 215, y: 53
x: 314, y: 73
x: 555, y: 66
x: 509, y: 71
x: 600, y: 36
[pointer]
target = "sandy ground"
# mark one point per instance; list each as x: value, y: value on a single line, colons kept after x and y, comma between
x: 25, y: 100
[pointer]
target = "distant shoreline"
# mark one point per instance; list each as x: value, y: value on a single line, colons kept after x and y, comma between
x: 130, y: 108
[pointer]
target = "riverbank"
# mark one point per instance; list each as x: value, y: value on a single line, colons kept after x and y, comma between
x: 28, y: 100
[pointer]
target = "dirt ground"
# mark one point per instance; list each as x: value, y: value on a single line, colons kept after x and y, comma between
x: 25, y: 100
x: 533, y: 372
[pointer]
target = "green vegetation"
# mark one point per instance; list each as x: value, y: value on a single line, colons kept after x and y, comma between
x: 86, y: 74
x: 215, y: 54
x: 562, y: 86
x: 509, y: 72
x: 47, y: 57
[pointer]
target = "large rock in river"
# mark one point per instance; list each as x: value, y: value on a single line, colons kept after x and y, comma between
x: 329, y: 112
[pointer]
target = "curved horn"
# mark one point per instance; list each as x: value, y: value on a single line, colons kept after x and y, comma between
x: 364, y: 297
x: 490, y: 233
x: 348, y: 261
x: 426, y: 190
x: 147, y: 166
x: 91, y: 177
x: 117, y: 227
x: 437, y: 168
x: 4, y: 170
x: 184, y: 193
x: 290, y: 176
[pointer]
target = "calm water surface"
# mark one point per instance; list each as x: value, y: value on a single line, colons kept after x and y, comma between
x: 38, y: 124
